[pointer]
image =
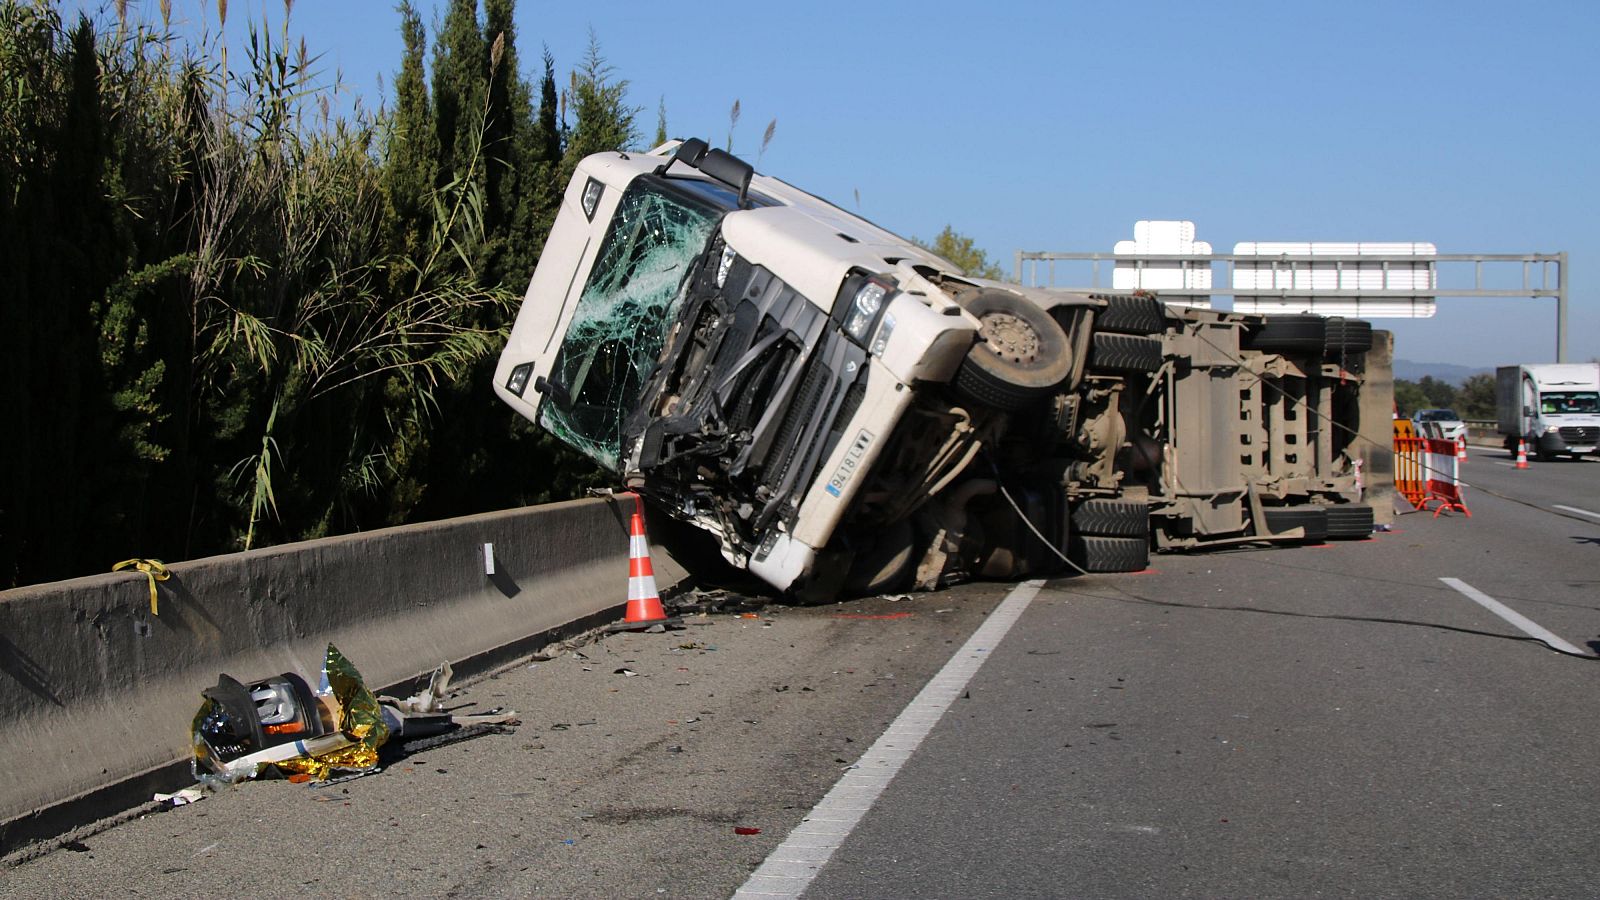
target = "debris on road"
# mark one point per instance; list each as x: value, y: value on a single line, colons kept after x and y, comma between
x: 280, y: 723
x: 714, y: 600
x: 281, y: 727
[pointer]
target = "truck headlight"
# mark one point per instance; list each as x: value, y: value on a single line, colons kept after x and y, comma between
x: 518, y: 382
x: 591, y: 197
x: 864, y: 310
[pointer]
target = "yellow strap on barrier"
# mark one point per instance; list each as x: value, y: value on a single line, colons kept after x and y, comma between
x: 153, y: 569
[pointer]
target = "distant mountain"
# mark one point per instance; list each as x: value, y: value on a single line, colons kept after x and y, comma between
x: 1447, y: 372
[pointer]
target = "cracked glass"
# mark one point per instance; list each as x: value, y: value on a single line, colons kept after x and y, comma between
x: 621, y: 321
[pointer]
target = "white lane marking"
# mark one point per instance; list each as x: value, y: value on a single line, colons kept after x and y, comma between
x: 790, y: 868
x: 1574, y: 509
x: 1521, y: 621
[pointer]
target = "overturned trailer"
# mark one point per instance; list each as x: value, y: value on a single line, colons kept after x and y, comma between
x: 844, y: 410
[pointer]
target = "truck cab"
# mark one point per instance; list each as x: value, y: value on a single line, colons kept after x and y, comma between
x: 1554, y: 408
x: 841, y: 409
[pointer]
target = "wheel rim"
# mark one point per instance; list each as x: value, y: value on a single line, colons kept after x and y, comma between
x: 1010, y: 337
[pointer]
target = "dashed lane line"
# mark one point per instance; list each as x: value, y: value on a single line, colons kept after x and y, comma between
x: 1574, y: 509
x: 1522, y: 622
x: 790, y: 868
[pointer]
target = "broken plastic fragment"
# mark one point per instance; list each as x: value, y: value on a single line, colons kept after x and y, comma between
x: 741, y: 829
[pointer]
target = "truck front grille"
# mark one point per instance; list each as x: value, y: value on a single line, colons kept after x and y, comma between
x: 1582, y: 435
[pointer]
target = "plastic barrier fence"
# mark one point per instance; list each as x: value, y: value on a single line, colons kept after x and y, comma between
x: 1427, y: 470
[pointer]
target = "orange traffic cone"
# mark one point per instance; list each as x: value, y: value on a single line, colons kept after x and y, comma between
x: 1461, y: 448
x: 1522, y: 454
x: 644, y: 603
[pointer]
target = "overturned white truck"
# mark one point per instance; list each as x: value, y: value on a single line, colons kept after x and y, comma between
x: 845, y: 411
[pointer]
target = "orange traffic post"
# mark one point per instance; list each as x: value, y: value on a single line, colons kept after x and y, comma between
x: 1461, y: 448
x: 1522, y: 454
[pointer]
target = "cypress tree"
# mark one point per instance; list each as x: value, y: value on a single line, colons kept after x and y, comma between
x: 460, y: 65
x: 410, y: 165
x: 508, y: 152
x: 605, y: 121
x: 545, y: 194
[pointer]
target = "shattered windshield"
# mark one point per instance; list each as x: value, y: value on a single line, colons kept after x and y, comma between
x: 623, y: 314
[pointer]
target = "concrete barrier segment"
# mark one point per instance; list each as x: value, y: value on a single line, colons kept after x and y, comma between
x: 95, y: 691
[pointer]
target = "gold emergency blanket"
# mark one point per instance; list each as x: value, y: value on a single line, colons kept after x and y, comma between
x: 360, y: 718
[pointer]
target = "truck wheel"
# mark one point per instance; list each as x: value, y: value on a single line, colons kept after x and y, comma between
x: 1314, y: 519
x: 1023, y: 354
x: 1291, y: 333
x: 1349, y: 520
x: 1124, y: 353
x: 1112, y: 518
x: 1136, y: 314
x: 1109, y: 554
x: 1347, y: 336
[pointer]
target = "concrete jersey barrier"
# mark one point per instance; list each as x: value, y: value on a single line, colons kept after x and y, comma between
x: 97, y: 692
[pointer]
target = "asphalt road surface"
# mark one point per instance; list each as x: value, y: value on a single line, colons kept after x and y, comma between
x: 1302, y: 722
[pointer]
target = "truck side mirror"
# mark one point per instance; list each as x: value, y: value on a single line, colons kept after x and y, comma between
x: 555, y: 390
x: 730, y: 170
x: 690, y: 152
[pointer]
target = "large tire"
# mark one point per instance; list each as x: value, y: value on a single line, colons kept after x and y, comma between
x: 1287, y: 333
x: 1023, y: 354
x: 1124, y: 353
x: 1349, y: 521
x: 1345, y: 336
x: 1131, y: 314
x: 1092, y: 553
x: 1112, y: 518
x: 1314, y: 519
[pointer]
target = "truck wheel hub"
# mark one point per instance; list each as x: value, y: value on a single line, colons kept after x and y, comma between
x: 1010, y: 337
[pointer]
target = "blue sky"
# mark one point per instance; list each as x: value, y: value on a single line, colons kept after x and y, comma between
x: 1054, y: 126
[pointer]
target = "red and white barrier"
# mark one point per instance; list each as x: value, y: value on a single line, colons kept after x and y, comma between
x: 1427, y: 470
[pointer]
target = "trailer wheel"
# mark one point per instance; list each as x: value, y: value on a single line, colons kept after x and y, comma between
x: 1314, y: 519
x: 1093, y: 553
x: 1131, y: 314
x: 1023, y: 354
x: 1347, y: 336
x: 1349, y: 520
x: 1124, y: 353
x: 1291, y: 333
x: 1112, y: 518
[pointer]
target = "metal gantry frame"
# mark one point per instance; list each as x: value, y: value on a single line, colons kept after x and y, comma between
x: 1537, y: 278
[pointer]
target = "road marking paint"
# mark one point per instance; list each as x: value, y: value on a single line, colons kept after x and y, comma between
x: 1581, y: 512
x: 1503, y: 463
x: 1527, y: 625
x: 792, y: 866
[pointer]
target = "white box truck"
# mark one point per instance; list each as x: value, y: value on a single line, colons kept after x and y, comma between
x: 842, y: 410
x: 1554, y: 407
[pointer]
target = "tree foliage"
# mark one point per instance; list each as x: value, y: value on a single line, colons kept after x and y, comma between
x: 236, y: 317
x: 1473, y: 400
x: 604, y: 120
x: 959, y: 249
